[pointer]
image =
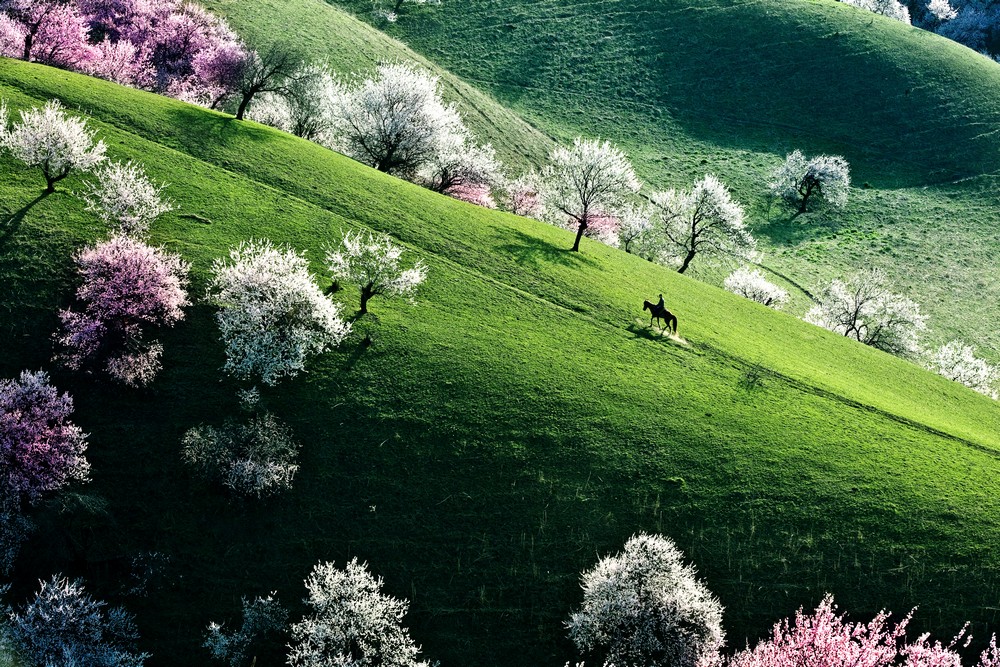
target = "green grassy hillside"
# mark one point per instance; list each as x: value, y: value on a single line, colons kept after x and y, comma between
x: 325, y: 33
x: 730, y: 87
x: 505, y: 430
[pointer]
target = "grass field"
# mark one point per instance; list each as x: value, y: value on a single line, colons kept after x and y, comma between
x: 729, y: 87
x: 504, y: 431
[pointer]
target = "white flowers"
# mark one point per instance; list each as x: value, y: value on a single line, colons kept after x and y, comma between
x: 273, y: 317
x: 864, y: 309
x: 958, y: 361
x: 351, y: 623
x: 754, y: 286
x: 125, y: 198
x: 798, y: 180
x: 50, y: 139
x: 645, y: 606
x: 372, y: 262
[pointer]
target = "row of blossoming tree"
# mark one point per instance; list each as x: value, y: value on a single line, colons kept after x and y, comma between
x: 272, y: 316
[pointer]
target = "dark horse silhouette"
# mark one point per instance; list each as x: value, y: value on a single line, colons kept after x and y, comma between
x: 657, y: 312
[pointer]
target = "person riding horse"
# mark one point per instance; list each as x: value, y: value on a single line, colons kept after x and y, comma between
x: 659, y: 311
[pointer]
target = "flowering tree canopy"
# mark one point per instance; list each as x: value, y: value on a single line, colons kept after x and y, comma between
x: 522, y: 196
x: 798, y: 180
x: 395, y: 120
x: 125, y: 198
x: 754, y: 286
x: 64, y: 625
x: 351, y: 622
x: 372, y: 262
x: 864, y: 309
x: 826, y: 639
x: 272, y: 315
x: 128, y: 288
x: 54, y: 141
x: 890, y: 8
x: 256, y: 459
x: 592, y: 178
x: 645, y: 607
x: 170, y: 46
x: 40, y: 448
x: 705, y: 220
x: 958, y: 361
x: 261, y: 616
x: 460, y: 163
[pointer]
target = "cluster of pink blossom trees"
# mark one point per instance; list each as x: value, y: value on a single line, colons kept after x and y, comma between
x: 169, y: 46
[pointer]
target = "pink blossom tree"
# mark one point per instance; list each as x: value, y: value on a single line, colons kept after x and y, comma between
x: 826, y: 639
x: 128, y: 288
x: 41, y: 450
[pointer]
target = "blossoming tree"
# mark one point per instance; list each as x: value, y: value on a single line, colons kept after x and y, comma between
x: 372, y: 262
x: 272, y: 316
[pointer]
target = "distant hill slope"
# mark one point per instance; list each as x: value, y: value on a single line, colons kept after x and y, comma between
x: 729, y: 87
x: 328, y: 34
x: 505, y: 430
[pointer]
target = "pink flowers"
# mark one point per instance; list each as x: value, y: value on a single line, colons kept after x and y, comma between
x: 163, y: 45
x: 824, y: 639
x: 40, y: 449
x: 128, y: 287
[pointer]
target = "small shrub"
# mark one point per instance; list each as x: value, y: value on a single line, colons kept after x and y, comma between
x: 63, y: 625
x: 255, y: 459
x: 261, y: 616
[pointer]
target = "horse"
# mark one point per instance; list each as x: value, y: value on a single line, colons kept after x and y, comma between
x: 656, y: 312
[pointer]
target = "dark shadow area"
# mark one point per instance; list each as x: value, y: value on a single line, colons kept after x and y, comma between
x: 534, y: 252
x: 197, y: 130
x: 787, y: 227
x: 10, y: 222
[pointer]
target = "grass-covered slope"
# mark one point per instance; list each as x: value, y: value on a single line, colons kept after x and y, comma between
x: 513, y: 424
x: 695, y: 86
x: 325, y: 33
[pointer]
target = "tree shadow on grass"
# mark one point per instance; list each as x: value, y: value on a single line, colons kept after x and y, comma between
x: 534, y: 252
x: 10, y: 222
x: 789, y: 228
x: 197, y: 131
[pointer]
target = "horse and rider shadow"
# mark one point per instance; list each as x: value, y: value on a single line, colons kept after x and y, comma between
x: 658, y: 311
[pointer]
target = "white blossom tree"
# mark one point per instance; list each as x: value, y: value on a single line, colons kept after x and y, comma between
x: 638, y: 233
x: 705, y: 220
x: 942, y: 10
x: 351, y: 622
x: 395, y: 120
x: 266, y: 68
x: 799, y: 180
x: 460, y: 162
x: 124, y: 197
x: 754, y: 286
x: 593, y: 178
x: 54, y: 141
x: 644, y: 607
x: 864, y: 309
x: 261, y: 616
x: 371, y: 261
x: 957, y: 361
x: 272, y: 315
x: 890, y: 8
x: 64, y: 625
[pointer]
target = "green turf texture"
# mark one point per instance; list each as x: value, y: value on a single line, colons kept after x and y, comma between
x: 515, y: 423
x: 729, y: 87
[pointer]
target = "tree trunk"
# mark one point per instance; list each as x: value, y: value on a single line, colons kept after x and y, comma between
x: 687, y: 261
x: 579, y: 234
x: 28, y: 39
x: 244, y: 103
x: 366, y: 293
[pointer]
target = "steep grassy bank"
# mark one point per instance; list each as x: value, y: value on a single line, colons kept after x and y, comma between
x: 729, y: 87
x: 505, y: 430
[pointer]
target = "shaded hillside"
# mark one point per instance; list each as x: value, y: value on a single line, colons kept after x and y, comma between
x: 514, y: 423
